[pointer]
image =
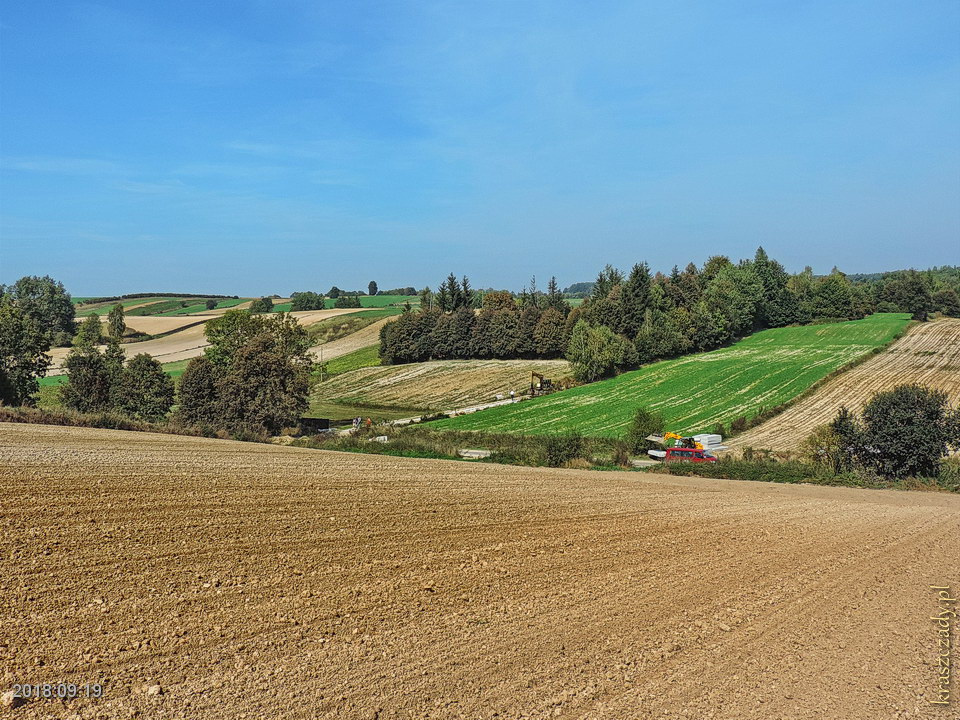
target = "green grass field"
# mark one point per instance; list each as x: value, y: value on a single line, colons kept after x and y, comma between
x: 376, y: 301
x: 364, y: 357
x: 105, y: 308
x: 697, y: 391
x: 336, y: 411
x: 200, y: 305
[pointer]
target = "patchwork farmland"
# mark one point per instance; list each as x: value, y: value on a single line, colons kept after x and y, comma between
x: 695, y: 392
x: 929, y: 355
x: 182, y: 337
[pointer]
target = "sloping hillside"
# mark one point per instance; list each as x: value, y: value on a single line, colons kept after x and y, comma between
x: 929, y: 355
x: 365, y: 337
x: 697, y: 391
x: 185, y: 336
x: 438, y: 385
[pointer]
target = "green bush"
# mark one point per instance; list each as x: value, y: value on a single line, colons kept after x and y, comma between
x: 792, y: 471
x: 645, y: 422
x: 262, y: 306
x: 142, y: 389
x: 561, y: 449
x: 906, y: 431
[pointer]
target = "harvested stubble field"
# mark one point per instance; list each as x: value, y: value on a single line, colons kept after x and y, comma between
x: 364, y: 337
x: 436, y: 385
x: 695, y: 392
x: 257, y: 581
x: 929, y: 355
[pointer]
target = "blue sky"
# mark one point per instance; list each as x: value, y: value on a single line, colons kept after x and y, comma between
x: 265, y: 147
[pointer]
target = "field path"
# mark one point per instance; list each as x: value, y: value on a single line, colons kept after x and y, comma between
x: 929, y: 354
x: 364, y: 337
x: 254, y: 581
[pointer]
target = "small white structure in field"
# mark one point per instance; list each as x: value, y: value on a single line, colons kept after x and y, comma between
x: 710, y: 441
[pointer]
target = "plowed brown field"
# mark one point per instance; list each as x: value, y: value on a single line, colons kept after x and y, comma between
x: 929, y: 354
x: 256, y: 581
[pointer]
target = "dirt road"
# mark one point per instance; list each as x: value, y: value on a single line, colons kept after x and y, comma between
x: 255, y: 581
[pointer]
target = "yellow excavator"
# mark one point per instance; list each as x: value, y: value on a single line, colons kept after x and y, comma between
x: 683, y: 442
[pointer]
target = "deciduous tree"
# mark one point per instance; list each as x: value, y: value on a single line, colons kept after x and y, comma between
x: 143, y: 390
x: 116, y: 324
x: 46, y: 302
x: 24, y: 343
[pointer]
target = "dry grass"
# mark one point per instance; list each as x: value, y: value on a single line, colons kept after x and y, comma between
x: 439, y: 384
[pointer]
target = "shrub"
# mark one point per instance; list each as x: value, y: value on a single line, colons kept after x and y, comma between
x: 645, y: 422
x: 90, y: 333
x: 262, y: 306
x: 561, y: 449
x: 738, y: 425
x: 621, y: 454
x: 143, y: 390
x: 906, y: 431
x: 823, y: 447
x: 347, y: 301
x: 307, y: 300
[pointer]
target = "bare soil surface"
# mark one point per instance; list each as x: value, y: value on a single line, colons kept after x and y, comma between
x: 256, y: 581
x: 438, y: 384
x: 928, y: 354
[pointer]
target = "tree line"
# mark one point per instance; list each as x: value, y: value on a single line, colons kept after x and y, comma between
x: 456, y: 322
x: 638, y: 317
